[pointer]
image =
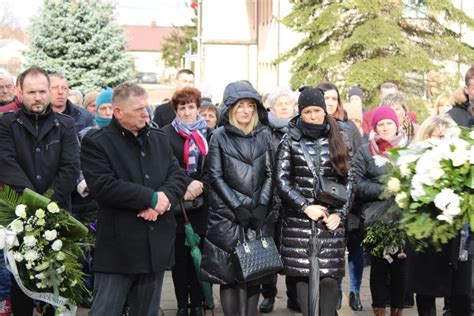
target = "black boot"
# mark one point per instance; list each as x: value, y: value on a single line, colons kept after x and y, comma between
x: 293, y: 305
x: 182, y: 311
x: 354, y: 301
x: 196, y: 311
x: 267, y: 305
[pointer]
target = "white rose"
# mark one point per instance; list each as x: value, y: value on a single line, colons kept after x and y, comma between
x: 401, y: 199
x: 405, y: 170
x: 417, y: 191
x: 448, y: 202
x: 29, y: 241
x: 471, y: 155
x: 436, y: 172
x: 60, y: 256
x: 471, y: 134
x: 50, y: 235
x: 17, y: 226
x: 42, y: 266
x: 28, y: 228
x: 20, y: 211
x: 393, y: 185
x: 18, y: 257
x: 446, y: 218
x: 53, y: 207
x: 40, y: 213
x: 31, y: 255
x: 40, y: 276
x: 57, y: 245
x: 60, y: 269
x: 41, y: 222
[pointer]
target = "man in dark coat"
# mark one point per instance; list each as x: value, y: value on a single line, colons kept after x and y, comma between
x: 38, y: 150
x: 461, y: 113
x: 131, y: 171
x: 165, y: 113
x: 59, y: 100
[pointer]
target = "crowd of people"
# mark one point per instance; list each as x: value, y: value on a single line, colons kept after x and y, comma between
x: 247, y: 167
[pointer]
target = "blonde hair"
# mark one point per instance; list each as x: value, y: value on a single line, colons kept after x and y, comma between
x: 459, y: 96
x: 430, y: 125
x: 253, y: 121
x: 442, y: 100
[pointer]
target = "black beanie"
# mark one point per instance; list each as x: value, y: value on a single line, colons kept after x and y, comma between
x: 310, y: 96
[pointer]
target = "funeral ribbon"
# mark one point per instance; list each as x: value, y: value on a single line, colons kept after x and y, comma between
x: 8, y: 239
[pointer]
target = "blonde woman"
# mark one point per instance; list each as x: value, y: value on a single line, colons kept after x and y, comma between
x: 240, y: 174
x: 443, y: 103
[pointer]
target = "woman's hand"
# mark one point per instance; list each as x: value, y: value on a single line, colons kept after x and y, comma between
x: 194, y: 189
x: 332, y: 221
x: 316, y: 212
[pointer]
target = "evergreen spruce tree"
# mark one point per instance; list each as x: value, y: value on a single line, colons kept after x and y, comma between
x: 368, y: 42
x: 80, y: 39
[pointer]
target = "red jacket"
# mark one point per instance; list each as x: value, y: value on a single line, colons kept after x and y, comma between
x: 10, y: 107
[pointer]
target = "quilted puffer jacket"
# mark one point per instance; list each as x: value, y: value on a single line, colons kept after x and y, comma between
x: 295, y: 185
x: 240, y: 174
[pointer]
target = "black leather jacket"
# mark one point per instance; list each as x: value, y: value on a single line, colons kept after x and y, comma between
x: 240, y: 173
x: 295, y: 185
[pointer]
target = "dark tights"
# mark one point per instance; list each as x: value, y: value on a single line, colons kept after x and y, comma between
x: 230, y: 300
x: 328, y: 295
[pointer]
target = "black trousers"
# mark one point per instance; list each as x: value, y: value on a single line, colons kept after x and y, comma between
x: 460, y: 305
x: 269, y: 289
x: 186, y: 283
x: 380, y: 272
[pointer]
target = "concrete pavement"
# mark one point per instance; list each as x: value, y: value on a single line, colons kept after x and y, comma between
x: 168, y: 302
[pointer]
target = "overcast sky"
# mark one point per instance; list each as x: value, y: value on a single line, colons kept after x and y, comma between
x: 141, y: 12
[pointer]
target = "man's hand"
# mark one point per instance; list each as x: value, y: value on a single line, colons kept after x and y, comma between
x: 195, y: 189
x: 332, y: 221
x: 316, y: 212
x: 163, y: 204
x: 148, y: 215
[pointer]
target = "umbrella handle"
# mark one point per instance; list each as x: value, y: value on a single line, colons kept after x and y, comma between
x: 183, y: 210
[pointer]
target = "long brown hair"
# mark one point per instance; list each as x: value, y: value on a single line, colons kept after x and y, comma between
x: 337, y: 148
x: 326, y: 86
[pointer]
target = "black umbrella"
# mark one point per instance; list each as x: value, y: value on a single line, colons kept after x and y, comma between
x: 314, y: 247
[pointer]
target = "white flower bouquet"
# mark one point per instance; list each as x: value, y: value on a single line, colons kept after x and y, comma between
x: 433, y: 185
x: 40, y: 245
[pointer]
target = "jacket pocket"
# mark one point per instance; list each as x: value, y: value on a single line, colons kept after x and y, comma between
x: 51, y: 143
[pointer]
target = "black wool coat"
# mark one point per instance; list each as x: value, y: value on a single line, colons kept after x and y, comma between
x: 39, y: 152
x: 198, y: 218
x: 122, y: 174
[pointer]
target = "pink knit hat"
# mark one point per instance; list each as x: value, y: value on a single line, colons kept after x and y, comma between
x: 382, y: 113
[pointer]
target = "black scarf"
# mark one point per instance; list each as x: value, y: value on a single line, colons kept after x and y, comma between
x: 311, y: 130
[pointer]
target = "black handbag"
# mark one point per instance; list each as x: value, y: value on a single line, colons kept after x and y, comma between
x: 326, y: 191
x: 256, y: 258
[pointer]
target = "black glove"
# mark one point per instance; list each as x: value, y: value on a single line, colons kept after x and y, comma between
x: 243, y: 216
x: 258, y: 217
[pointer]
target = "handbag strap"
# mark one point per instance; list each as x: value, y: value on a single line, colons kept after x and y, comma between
x: 309, y: 161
